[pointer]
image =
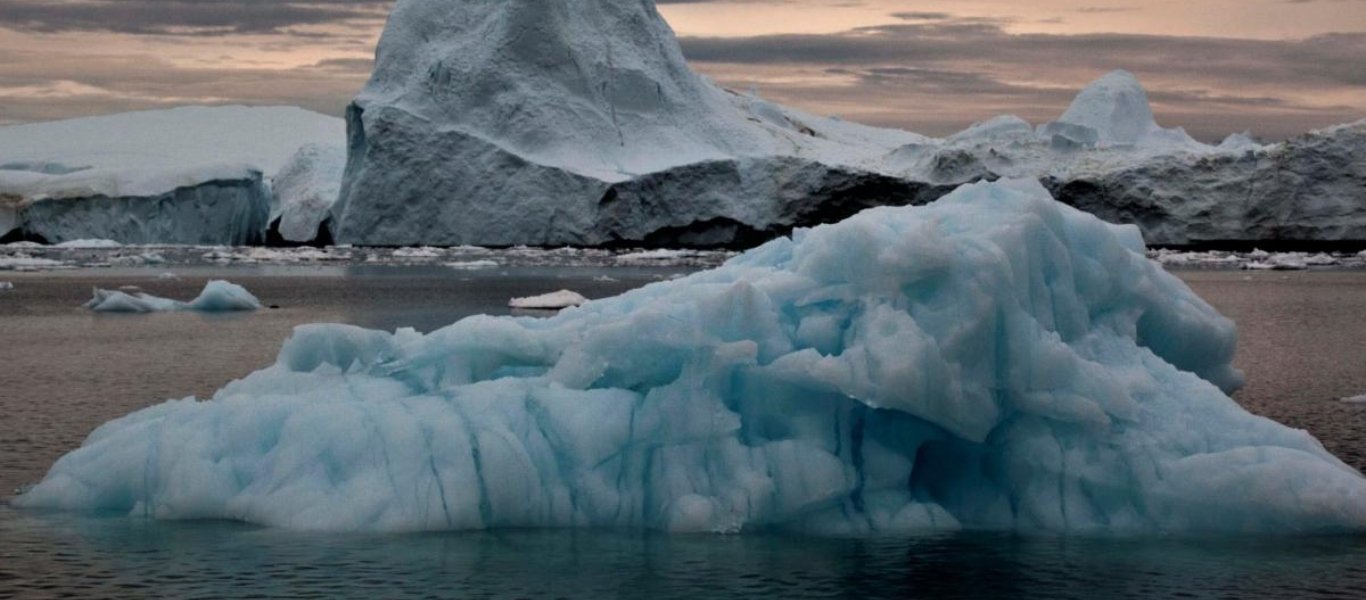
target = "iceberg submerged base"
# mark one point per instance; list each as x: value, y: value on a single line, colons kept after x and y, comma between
x: 995, y: 360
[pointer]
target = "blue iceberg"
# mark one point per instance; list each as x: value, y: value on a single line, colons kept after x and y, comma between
x: 218, y: 296
x: 995, y: 360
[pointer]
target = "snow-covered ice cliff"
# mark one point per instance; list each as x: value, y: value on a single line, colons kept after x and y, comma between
x: 995, y: 360
x: 189, y: 175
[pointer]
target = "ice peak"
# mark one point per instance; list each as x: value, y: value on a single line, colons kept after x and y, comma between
x: 1116, y: 106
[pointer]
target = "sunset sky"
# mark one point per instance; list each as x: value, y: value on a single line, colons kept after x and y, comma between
x: 1276, y: 67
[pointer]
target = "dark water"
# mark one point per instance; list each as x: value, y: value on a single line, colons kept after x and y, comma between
x: 64, y: 371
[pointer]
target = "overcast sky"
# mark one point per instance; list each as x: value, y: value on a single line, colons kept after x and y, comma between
x: 1276, y: 67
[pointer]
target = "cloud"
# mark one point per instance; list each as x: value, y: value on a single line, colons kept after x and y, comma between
x: 927, y: 70
x: 182, y: 17
x: 941, y: 74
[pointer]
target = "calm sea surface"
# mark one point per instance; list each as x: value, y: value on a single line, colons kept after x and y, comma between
x: 64, y: 371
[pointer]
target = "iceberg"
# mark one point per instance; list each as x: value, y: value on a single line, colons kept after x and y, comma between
x: 187, y: 175
x: 305, y: 190
x: 1307, y: 189
x: 994, y: 360
x: 218, y: 296
x: 1114, y: 110
x: 558, y: 122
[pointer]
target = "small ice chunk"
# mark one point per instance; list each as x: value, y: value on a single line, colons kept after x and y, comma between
x: 473, y: 264
x: 653, y: 255
x: 1358, y: 399
x: 218, y: 296
x: 5, y: 285
x: 114, y: 301
x: 222, y: 296
x: 419, y: 252
x: 90, y: 244
x: 553, y: 300
x: 168, y: 275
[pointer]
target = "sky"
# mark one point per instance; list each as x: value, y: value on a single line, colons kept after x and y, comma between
x: 1274, y: 67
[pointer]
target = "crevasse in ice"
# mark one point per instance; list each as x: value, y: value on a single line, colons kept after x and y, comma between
x: 994, y: 360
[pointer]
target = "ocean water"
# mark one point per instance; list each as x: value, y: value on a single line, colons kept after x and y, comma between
x: 64, y: 371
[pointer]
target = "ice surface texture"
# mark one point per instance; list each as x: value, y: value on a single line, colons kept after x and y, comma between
x: 218, y: 296
x: 994, y: 360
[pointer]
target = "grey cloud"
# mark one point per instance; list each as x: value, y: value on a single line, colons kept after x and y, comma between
x: 179, y: 17
x: 942, y: 74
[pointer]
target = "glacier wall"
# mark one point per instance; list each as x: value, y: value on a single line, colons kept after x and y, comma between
x: 1311, y: 188
x: 994, y: 360
x: 221, y: 211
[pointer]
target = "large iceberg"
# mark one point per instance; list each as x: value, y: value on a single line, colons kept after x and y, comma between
x: 995, y: 360
x: 188, y: 175
x: 552, y: 122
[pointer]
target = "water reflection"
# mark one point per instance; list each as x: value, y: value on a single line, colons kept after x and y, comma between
x: 119, y: 556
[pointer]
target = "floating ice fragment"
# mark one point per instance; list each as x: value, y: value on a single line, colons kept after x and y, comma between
x: 473, y: 264
x: 1360, y: 399
x: 553, y: 300
x: 218, y: 296
x: 419, y: 252
x: 5, y: 285
x: 91, y: 244
x: 23, y: 262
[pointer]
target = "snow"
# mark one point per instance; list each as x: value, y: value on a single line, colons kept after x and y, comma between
x: 218, y: 296
x: 995, y: 360
x: 553, y: 300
